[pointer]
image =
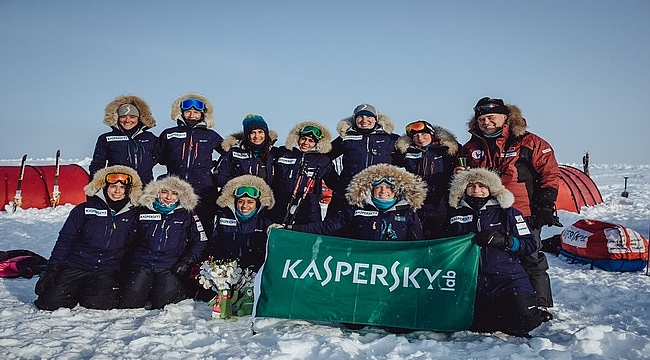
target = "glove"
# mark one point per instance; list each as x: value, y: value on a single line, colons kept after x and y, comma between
x: 494, y: 239
x: 183, y: 265
x: 274, y: 226
x: 545, y: 215
x: 47, y: 279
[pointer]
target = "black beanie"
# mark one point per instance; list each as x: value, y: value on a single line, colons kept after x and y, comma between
x: 490, y: 106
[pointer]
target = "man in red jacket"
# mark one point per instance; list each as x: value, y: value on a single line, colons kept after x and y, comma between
x: 527, y: 166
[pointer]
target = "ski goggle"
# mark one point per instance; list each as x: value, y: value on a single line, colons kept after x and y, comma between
x: 249, y: 191
x: 485, y: 108
x: 383, y: 180
x: 418, y: 126
x: 310, y: 129
x: 114, y: 178
x: 192, y: 103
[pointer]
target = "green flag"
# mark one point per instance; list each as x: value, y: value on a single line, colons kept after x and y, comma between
x: 421, y: 285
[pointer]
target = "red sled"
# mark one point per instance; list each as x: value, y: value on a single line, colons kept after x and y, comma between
x: 604, y: 245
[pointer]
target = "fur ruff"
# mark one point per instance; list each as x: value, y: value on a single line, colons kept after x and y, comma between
x: 443, y: 135
x: 407, y: 185
x: 479, y: 175
x: 177, y: 114
x: 227, y: 196
x: 186, y: 196
x: 384, y: 121
x: 99, y: 182
x: 323, y: 146
x: 110, y: 114
x: 515, y: 121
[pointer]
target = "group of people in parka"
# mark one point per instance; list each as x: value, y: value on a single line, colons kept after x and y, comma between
x: 130, y: 246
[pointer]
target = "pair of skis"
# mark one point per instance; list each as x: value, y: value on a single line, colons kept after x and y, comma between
x: 56, y: 194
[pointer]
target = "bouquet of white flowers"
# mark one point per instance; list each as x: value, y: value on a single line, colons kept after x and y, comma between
x: 227, y: 279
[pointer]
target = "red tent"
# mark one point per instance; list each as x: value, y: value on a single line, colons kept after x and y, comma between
x: 38, y: 182
x: 576, y: 190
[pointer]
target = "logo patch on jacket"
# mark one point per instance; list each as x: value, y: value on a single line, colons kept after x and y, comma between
x: 522, y: 227
x: 117, y: 138
x: 463, y: 219
x: 400, y: 218
x: 240, y: 155
x: 353, y: 137
x: 227, y: 222
x: 367, y: 213
x: 144, y: 217
x: 413, y: 155
x: 477, y: 154
x: 287, y: 161
x: 96, y: 212
x: 178, y: 135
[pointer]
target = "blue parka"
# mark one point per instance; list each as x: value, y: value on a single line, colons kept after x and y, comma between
x: 243, y: 240
x: 362, y: 220
x: 236, y: 160
x: 163, y: 238
x: 500, y: 271
x: 92, y: 237
x: 132, y: 148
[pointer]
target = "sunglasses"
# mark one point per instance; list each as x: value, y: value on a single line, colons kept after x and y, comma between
x: 114, y: 178
x: 383, y: 180
x: 249, y: 191
x: 417, y: 126
x: 192, y: 103
x: 318, y: 134
x: 485, y: 107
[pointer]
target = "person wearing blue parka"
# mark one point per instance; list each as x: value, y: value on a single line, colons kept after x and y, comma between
x: 299, y: 169
x: 170, y: 239
x: 186, y: 150
x: 382, y: 204
x: 85, y: 261
x: 504, y: 296
x: 240, y: 231
x: 366, y: 138
x: 129, y: 142
x: 429, y: 151
x: 248, y: 152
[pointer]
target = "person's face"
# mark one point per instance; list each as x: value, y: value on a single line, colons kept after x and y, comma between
x: 257, y: 137
x: 192, y: 114
x: 477, y: 190
x: 168, y: 197
x: 246, y: 205
x: 128, y: 122
x: 491, y: 123
x: 422, y: 139
x: 365, y: 122
x: 116, y: 191
x: 306, y: 143
x: 383, y: 191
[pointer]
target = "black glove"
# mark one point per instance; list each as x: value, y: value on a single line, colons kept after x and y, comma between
x: 545, y: 215
x: 183, y: 265
x: 494, y: 239
x: 47, y: 279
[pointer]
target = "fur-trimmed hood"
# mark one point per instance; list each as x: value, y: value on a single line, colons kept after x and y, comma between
x: 515, y: 121
x: 177, y: 114
x: 442, y: 135
x: 99, y: 182
x: 235, y: 140
x: 227, y: 197
x: 479, y: 175
x: 323, y: 146
x: 384, y: 121
x: 186, y: 196
x: 110, y: 114
x: 408, y: 186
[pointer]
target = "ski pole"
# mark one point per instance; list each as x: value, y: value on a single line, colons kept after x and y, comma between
x: 294, y: 194
x: 56, y: 194
x: 18, y: 199
x: 309, y: 186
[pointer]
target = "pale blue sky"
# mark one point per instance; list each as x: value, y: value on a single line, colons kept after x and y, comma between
x: 579, y: 70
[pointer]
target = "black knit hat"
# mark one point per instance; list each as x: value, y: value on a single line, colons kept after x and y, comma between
x: 490, y: 106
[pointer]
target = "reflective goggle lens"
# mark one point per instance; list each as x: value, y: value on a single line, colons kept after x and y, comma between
x: 415, y: 127
x: 192, y: 103
x: 383, y: 180
x: 249, y: 191
x: 114, y: 178
x: 485, y: 107
x: 318, y: 134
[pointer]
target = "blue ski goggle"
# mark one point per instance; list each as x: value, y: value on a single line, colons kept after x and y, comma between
x: 249, y: 191
x: 383, y: 180
x: 192, y: 103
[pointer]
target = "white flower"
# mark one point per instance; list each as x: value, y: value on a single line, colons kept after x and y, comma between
x: 224, y: 275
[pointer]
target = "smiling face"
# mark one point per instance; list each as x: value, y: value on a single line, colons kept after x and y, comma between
x: 306, y: 143
x: 383, y: 191
x: 116, y: 192
x: 246, y: 205
x: 477, y: 190
x: 192, y: 114
x: 257, y: 137
x: 128, y: 122
x: 422, y: 139
x: 491, y: 123
x: 365, y: 122
x: 167, y: 196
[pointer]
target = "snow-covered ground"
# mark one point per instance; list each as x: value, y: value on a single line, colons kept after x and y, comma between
x: 598, y: 314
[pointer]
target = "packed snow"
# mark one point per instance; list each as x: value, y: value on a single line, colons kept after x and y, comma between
x: 598, y: 314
